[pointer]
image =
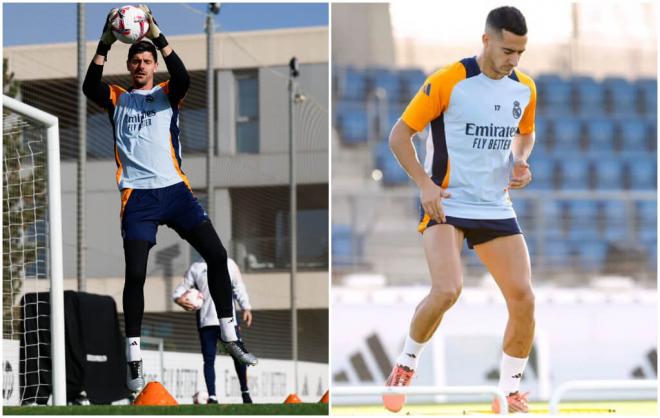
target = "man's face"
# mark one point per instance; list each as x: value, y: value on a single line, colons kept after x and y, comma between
x: 503, y: 50
x: 142, y: 67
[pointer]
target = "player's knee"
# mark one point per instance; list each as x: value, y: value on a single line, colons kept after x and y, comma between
x: 444, y: 297
x: 522, y: 301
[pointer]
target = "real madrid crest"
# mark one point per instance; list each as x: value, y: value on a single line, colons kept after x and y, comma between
x: 517, y: 112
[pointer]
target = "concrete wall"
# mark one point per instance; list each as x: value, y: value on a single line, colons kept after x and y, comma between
x: 233, y: 50
x: 362, y: 35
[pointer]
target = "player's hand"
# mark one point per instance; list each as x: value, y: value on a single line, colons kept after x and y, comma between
x: 185, y: 304
x: 107, y: 37
x: 521, y: 175
x: 431, y: 197
x: 154, y: 30
x: 247, y: 317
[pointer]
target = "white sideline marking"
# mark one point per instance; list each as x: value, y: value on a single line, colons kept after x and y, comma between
x: 422, y: 390
x: 597, y: 385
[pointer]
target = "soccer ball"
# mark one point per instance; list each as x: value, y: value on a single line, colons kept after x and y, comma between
x: 200, y: 397
x: 195, y: 297
x: 130, y: 24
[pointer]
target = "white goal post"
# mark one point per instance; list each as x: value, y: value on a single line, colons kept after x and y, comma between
x: 54, y: 210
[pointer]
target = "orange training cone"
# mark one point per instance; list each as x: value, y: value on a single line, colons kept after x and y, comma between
x: 293, y: 398
x: 154, y: 394
x: 326, y: 397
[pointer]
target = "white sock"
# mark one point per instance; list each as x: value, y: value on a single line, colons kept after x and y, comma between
x: 228, y: 329
x: 409, y: 357
x: 133, y: 352
x: 511, y: 371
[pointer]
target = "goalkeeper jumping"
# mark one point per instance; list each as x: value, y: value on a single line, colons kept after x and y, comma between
x: 154, y: 189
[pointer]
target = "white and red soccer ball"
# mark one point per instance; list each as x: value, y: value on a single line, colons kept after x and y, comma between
x: 200, y: 397
x: 130, y: 24
x: 194, y: 297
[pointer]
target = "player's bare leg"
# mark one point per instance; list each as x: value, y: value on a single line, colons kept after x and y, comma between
x: 507, y: 260
x: 442, y: 245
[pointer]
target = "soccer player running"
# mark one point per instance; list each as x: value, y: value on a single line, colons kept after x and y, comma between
x: 208, y: 325
x: 481, y: 111
x: 154, y: 189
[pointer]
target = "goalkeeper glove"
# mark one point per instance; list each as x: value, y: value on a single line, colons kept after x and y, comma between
x: 107, y: 37
x: 154, y: 33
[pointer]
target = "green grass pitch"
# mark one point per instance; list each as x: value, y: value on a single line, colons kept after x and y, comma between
x: 611, y: 408
x: 220, y: 409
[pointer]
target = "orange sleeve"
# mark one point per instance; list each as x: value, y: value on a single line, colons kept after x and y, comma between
x: 115, y: 92
x: 526, y: 125
x: 433, y: 98
x: 165, y: 85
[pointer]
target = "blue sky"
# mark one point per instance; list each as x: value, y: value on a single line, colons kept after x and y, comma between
x: 56, y: 22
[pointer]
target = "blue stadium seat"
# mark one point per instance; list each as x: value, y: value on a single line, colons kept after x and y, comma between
x: 574, y: 173
x: 557, y: 252
x: 393, y: 174
x: 554, y: 94
x: 647, y: 236
x: 568, y: 134
x: 647, y: 213
x: 524, y: 208
x: 387, y: 80
x: 652, y: 133
x: 591, y: 255
x: 411, y: 82
x: 351, y: 121
x: 633, y: 134
x: 647, y: 88
x: 342, y: 245
x: 541, y: 129
x: 642, y: 173
x: 352, y: 85
x: 583, y: 211
x: 554, y: 213
x: 622, y: 97
x: 614, y: 211
x: 393, y: 114
x: 647, y: 222
x: 543, y: 172
x: 615, y: 220
x: 590, y: 96
x: 608, y: 173
x: 600, y: 135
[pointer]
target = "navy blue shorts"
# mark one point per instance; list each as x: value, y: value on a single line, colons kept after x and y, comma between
x: 146, y: 209
x: 477, y: 231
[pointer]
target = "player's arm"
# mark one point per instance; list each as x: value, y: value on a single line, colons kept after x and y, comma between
x: 523, y: 142
x: 428, y: 104
x: 521, y: 148
x: 188, y: 283
x: 402, y: 147
x: 179, y: 78
x: 93, y: 86
x: 241, y: 294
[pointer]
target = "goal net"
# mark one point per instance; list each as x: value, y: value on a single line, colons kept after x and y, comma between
x: 32, y: 288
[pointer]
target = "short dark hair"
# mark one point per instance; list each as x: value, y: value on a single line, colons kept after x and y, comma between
x: 507, y: 18
x: 142, y: 46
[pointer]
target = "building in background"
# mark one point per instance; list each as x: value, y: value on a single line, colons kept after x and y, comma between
x: 251, y: 186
